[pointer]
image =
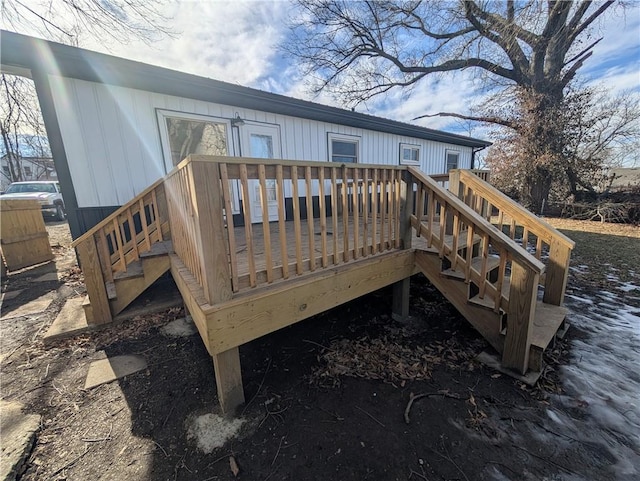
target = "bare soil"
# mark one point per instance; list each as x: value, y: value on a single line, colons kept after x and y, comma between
x: 328, y: 398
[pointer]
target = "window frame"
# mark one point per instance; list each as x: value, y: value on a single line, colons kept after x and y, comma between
x: 354, y: 139
x: 163, y: 114
x: 415, y: 147
x: 446, y: 159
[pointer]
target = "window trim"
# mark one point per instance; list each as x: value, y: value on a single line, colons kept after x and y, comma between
x: 163, y: 114
x: 354, y: 139
x: 446, y: 159
x: 404, y: 146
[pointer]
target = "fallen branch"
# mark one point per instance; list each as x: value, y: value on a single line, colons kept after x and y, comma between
x: 415, y: 397
x: 360, y: 409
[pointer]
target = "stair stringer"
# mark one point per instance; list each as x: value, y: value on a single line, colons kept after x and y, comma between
x: 485, y: 321
x: 128, y: 289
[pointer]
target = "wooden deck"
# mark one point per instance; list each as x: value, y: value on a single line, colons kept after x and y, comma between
x: 351, y: 229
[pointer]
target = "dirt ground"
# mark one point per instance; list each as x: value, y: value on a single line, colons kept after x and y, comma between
x: 327, y: 399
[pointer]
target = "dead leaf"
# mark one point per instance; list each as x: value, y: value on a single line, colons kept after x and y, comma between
x: 234, y: 466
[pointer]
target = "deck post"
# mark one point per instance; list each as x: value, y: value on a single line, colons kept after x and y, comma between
x: 557, y: 272
x: 94, y: 281
x: 520, y: 315
x: 207, y: 204
x: 229, y: 380
x: 400, y: 303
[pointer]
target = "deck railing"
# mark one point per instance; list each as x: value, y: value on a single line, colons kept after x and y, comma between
x: 533, y: 234
x: 331, y: 214
x: 111, y: 246
x: 472, y: 245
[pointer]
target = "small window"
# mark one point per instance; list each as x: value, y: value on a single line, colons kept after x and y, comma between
x: 409, y: 154
x: 27, y: 171
x: 5, y: 169
x: 452, y: 160
x: 343, y: 149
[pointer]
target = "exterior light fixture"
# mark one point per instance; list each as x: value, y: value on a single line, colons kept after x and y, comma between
x: 237, y: 121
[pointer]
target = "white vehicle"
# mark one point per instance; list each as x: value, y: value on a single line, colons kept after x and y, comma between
x: 47, y: 193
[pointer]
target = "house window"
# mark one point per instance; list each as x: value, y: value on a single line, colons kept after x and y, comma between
x: 344, y: 149
x: 183, y: 134
x: 27, y: 171
x: 5, y: 169
x: 452, y: 160
x: 409, y: 154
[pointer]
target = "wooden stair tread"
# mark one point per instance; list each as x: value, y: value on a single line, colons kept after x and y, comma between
x: 493, y: 262
x: 158, y: 249
x: 547, y: 321
x: 487, y: 301
x: 133, y: 270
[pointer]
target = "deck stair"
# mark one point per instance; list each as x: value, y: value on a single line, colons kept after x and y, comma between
x: 504, y: 269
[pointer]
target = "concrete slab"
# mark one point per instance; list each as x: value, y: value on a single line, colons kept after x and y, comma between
x: 18, y: 435
x: 491, y: 360
x: 7, y: 296
x: 110, y: 369
x: 70, y: 321
x: 30, y: 308
x: 183, y: 327
x: 51, y: 276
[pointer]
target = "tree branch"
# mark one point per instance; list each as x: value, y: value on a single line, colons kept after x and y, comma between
x: 485, y: 119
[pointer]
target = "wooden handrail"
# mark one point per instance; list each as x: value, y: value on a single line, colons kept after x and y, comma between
x: 496, y: 198
x: 114, y: 215
x: 284, y: 162
x: 470, y: 217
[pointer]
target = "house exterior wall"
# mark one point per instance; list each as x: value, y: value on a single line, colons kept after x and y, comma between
x: 113, y: 145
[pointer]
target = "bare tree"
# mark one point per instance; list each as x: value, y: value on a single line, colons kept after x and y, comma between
x: 530, y: 49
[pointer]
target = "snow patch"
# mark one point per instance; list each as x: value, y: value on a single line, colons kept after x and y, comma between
x: 211, y: 431
x: 182, y: 327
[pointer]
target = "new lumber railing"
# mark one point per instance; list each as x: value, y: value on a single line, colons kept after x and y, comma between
x: 332, y: 214
x: 118, y: 240
x: 533, y: 234
x: 454, y: 229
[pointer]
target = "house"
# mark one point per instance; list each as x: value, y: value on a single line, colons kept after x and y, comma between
x: 116, y: 126
x: 353, y: 210
x: 625, y: 179
x: 34, y: 161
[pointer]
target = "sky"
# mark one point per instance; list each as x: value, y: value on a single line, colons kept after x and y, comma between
x: 239, y: 42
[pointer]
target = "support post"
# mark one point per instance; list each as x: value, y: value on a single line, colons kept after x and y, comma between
x: 400, y: 303
x: 522, y: 305
x: 557, y: 273
x: 207, y: 204
x: 94, y: 281
x: 229, y: 380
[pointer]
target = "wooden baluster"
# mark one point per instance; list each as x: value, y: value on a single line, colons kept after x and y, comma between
x: 282, y: 225
x: 483, y: 269
x: 525, y: 238
x: 266, y: 229
x: 143, y: 222
x: 231, y: 235
x: 103, y: 255
x: 500, y: 220
x: 334, y: 213
x: 356, y: 214
x: 345, y: 213
x: 512, y: 228
x: 248, y: 227
x: 443, y: 226
x: 454, y: 242
x: 398, y: 198
x: 538, y: 248
x: 489, y: 211
x: 323, y: 216
x: 469, y: 256
x: 365, y: 212
x: 154, y: 200
x: 391, y: 210
x: 502, y: 269
x: 296, y: 220
x: 310, y: 221
x: 119, y: 247
x: 383, y: 209
x: 374, y: 212
x: 132, y: 233
x: 431, y: 213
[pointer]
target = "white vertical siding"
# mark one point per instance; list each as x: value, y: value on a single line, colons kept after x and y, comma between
x: 112, y: 140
